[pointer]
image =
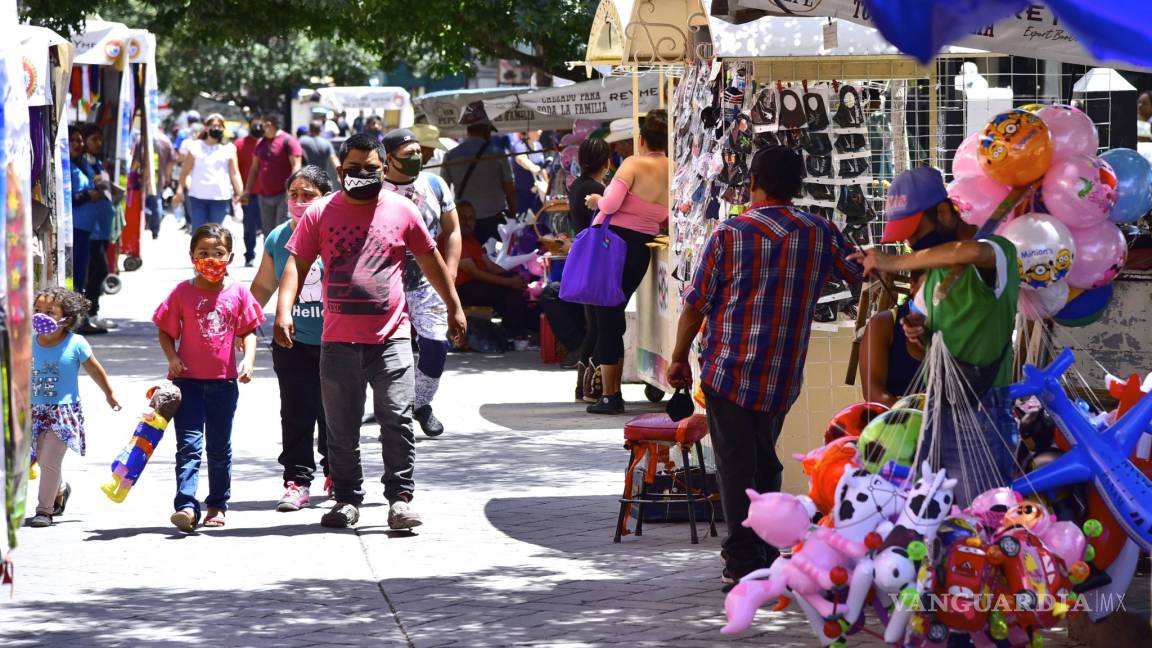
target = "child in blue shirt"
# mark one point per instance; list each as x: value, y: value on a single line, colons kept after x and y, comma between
x: 57, y: 418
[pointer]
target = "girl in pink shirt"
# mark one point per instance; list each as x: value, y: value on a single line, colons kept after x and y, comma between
x: 207, y: 315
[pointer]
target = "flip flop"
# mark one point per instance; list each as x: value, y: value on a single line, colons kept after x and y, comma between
x: 214, y: 520
x: 184, y: 519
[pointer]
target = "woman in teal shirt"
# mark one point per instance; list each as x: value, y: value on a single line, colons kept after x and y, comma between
x: 297, y: 368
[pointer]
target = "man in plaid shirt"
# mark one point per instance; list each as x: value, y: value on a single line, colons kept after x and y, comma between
x: 755, y: 291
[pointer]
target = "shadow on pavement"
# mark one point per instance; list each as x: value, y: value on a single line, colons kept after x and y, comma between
x: 292, y: 613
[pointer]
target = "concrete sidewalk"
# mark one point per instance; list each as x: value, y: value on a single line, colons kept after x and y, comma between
x: 518, y: 498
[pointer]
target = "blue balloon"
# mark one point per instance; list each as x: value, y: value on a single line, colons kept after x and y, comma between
x: 1133, y: 184
x: 1087, y: 303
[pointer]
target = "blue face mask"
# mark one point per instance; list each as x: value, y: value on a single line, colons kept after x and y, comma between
x: 932, y: 239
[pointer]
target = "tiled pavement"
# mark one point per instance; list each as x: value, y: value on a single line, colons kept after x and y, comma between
x: 518, y: 498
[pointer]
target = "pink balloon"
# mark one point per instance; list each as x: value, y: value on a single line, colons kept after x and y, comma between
x: 965, y: 162
x: 1079, y: 190
x: 1066, y: 540
x: 977, y: 197
x: 1073, y: 132
x: 1100, y: 255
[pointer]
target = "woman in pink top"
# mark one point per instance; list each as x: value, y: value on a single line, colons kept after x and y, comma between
x: 207, y: 315
x: 637, y: 200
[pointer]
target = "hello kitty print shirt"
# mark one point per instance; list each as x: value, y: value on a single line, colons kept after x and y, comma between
x: 206, y: 324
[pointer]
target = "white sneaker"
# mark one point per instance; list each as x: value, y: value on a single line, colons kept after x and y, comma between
x: 401, y: 516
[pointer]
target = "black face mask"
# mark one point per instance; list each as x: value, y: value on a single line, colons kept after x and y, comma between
x: 257, y: 131
x: 932, y: 239
x: 216, y: 134
x: 360, y: 184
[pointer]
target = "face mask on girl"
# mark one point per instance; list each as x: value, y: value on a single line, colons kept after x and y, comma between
x: 212, y: 270
x: 296, y: 209
x: 45, y: 324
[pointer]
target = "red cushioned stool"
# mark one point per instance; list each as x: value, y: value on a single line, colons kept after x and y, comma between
x: 652, y: 436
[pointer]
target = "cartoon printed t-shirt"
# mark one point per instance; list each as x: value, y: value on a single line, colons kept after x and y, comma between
x: 308, y: 311
x: 205, y: 325
x: 55, y: 370
x: 363, y: 248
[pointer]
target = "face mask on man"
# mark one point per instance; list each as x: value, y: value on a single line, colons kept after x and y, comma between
x: 360, y: 184
x: 256, y: 131
x: 932, y: 239
x: 409, y: 166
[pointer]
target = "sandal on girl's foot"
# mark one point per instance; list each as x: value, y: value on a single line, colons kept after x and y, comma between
x: 184, y: 519
x: 214, y: 519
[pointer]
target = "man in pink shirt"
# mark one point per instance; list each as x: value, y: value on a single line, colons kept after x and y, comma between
x: 362, y: 235
x: 277, y: 156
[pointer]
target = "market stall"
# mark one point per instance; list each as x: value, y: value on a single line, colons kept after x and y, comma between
x: 859, y: 113
x: 114, y: 84
x: 47, y: 58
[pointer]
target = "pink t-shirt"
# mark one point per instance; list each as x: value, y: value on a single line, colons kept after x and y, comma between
x: 205, y: 325
x: 363, y: 250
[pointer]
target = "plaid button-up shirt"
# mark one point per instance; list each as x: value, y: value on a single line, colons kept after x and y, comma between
x: 758, y: 282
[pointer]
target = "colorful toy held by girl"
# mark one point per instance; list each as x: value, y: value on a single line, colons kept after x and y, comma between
x: 207, y: 315
x: 57, y: 418
x: 163, y: 401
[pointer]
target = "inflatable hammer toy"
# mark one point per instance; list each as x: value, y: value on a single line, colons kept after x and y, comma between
x: 164, y: 400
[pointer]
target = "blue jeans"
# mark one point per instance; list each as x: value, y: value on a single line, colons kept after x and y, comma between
x: 153, y: 213
x: 201, y: 212
x: 251, y: 227
x: 206, y: 411
x: 963, y: 459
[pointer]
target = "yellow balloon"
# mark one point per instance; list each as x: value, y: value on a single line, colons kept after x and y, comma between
x: 1032, y: 107
x: 1016, y: 148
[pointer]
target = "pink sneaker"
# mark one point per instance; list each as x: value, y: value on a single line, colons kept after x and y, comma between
x: 295, y: 498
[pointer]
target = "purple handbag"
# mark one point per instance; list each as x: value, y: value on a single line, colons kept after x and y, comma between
x: 594, y: 271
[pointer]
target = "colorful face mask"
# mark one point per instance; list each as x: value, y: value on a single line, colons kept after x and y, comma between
x: 213, y: 270
x: 44, y: 324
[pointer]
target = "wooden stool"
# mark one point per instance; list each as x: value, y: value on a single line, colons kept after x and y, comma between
x: 652, y: 436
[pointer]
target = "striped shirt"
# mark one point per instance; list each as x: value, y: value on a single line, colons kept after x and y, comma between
x: 757, y: 285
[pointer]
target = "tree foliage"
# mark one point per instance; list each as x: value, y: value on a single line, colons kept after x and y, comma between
x: 258, y: 50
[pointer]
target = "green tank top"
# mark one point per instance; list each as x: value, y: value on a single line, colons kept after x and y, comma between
x: 976, y: 323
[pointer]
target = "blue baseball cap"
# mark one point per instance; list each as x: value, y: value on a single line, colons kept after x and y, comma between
x: 911, y: 193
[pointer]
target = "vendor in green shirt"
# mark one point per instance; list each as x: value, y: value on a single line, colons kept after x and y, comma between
x: 969, y: 299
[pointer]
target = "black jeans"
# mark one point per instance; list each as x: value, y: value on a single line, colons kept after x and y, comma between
x: 97, y: 273
x: 591, y: 333
x: 510, y: 303
x: 301, y: 411
x: 346, y: 370
x: 566, y: 319
x: 610, y: 322
x: 744, y: 442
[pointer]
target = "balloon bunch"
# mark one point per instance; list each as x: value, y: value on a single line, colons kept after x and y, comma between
x: 869, y: 533
x: 1068, y: 243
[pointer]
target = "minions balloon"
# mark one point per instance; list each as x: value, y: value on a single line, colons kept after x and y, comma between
x: 1016, y: 149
